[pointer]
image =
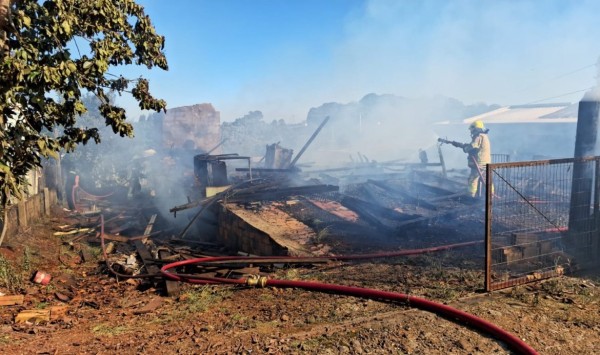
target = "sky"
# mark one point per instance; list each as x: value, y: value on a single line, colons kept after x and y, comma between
x: 283, y: 57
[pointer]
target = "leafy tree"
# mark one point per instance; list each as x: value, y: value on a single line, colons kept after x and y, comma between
x: 51, y: 53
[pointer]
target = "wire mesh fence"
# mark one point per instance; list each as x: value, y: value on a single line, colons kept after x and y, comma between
x: 541, y: 219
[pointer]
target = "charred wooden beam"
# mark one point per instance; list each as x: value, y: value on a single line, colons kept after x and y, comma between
x: 459, y: 196
x: 150, y: 225
x: 382, y: 211
x: 280, y: 193
x: 434, y: 189
x: 172, y: 287
x: 268, y: 170
x: 147, y: 258
x: 189, y: 205
x: 441, y: 180
x: 293, y: 163
x: 362, y: 208
x: 402, y: 193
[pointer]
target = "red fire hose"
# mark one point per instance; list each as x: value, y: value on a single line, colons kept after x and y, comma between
x: 511, y: 340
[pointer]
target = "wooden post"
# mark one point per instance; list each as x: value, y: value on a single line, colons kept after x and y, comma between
x: 22, y: 213
x: 47, y: 203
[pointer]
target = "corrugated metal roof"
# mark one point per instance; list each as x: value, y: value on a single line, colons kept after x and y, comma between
x: 547, y: 113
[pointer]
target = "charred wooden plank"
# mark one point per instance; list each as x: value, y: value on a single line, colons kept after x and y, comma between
x: 281, y: 193
x: 143, y: 251
x: 171, y: 286
x: 121, y: 228
x: 440, y: 180
x: 116, y: 238
x: 363, y: 210
x: 459, y: 196
x: 307, y: 144
x: 427, y: 218
x: 434, y: 189
x: 383, y: 211
x: 402, y: 193
x: 150, y: 225
x: 268, y: 170
x: 146, y: 257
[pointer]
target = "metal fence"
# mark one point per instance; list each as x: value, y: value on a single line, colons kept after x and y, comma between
x: 541, y: 219
x: 500, y: 158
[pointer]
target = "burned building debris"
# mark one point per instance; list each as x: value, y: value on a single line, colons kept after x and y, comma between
x: 271, y: 202
x: 209, y: 215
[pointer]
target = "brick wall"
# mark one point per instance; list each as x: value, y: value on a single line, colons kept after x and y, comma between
x: 237, y: 234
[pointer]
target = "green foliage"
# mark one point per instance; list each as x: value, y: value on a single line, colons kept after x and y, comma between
x: 42, y: 81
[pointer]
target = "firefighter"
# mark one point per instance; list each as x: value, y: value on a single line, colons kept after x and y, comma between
x: 478, y: 155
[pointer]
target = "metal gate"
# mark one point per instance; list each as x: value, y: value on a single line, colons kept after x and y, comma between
x: 541, y: 219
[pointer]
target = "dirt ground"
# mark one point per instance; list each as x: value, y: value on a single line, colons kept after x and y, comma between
x: 95, y: 313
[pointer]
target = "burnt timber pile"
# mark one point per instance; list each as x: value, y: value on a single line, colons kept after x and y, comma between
x: 317, y: 219
x: 281, y: 210
x: 272, y: 206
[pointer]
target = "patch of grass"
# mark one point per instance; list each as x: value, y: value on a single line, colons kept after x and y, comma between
x: 443, y: 292
x: 166, y: 318
x: 9, y: 277
x: 239, y: 320
x: 314, y: 344
x: 521, y: 294
x: 197, y: 300
x: 553, y: 287
x: 291, y: 274
x: 41, y: 305
x: 266, y: 297
x: 27, y: 264
x: 96, y: 252
x: 200, y: 300
x: 237, y: 317
x: 105, y: 329
x: 573, y: 315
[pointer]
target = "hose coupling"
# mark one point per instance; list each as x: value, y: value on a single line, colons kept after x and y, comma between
x: 256, y: 280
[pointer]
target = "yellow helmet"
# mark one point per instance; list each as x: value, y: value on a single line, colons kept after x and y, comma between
x: 476, y: 124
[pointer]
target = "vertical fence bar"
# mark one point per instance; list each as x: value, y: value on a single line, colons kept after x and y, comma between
x: 596, y: 223
x: 488, y: 227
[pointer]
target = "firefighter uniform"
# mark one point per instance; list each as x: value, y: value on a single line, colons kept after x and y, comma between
x: 479, y: 154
